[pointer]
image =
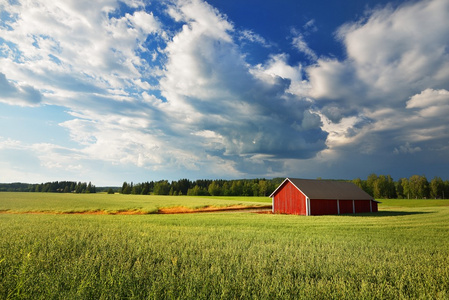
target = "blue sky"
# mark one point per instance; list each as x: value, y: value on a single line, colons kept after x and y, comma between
x: 111, y: 91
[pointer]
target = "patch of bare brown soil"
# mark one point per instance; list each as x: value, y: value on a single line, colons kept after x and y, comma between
x: 186, y: 210
x: 104, y: 212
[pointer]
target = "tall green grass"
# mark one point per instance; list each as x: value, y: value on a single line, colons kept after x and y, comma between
x: 399, y: 253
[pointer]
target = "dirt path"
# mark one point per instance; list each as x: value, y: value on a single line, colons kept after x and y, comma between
x: 234, y: 208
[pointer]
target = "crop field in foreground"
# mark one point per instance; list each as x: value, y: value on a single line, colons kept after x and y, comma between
x: 402, y: 252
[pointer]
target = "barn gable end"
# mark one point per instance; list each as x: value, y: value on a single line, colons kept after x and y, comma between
x: 320, y: 197
x: 289, y: 199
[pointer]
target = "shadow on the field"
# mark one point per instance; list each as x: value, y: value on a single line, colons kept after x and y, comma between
x: 388, y: 214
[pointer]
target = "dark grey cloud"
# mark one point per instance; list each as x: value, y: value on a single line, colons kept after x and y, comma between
x: 385, y: 101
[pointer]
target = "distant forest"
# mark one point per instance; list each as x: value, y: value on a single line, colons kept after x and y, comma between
x: 378, y: 186
x: 50, y: 187
x: 382, y: 186
x: 204, y: 187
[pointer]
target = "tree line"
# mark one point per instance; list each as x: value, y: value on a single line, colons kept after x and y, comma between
x: 414, y: 187
x: 50, y: 187
x: 203, y: 187
x: 378, y: 186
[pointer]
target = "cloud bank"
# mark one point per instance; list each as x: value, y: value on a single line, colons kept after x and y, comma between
x: 391, y: 90
x: 167, y: 86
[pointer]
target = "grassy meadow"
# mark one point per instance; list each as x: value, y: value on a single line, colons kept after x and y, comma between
x: 73, y: 203
x: 402, y: 252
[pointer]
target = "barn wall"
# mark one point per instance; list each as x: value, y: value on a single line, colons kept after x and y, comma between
x: 330, y: 207
x: 346, y: 207
x: 374, y: 206
x: 362, y: 206
x: 323, y: 207
x: 289, y: 200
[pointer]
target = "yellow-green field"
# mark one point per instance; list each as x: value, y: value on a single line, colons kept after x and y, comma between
x: 400, y: 253
x: 72, y: 203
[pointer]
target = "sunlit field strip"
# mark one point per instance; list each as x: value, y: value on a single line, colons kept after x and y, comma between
x: 72, y: 203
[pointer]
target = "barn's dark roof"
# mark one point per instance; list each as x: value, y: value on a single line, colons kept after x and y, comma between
x: 328, y: 189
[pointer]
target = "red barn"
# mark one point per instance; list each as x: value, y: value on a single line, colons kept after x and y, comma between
x: 321, y: 197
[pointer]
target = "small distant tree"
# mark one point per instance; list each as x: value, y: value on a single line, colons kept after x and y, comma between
x: 263, y: 188
x: 214, y: 189
x: 226, y: 189
x: 146, y: 188
x: 358, y: 182
x: 236, y: 188
x: 391, y: 189
x: 38, y: 188
x: 83, y: 187
x: 406, y: 188
x: 419, y: 187
x: 183, y: 186
x: 255, y: 188
x: 370, y: 182
x: 137, y: 189
x: 247, y: 189
x: 161, y: 188
x: 446, y: 189
x: 383, y: 187
x: 78, y: 188
x: 89, y: 187
x: 126, y: 188
x: 399, y: 188
x: 379, y: 187
x: 197, y: 191
x: 436, y: 188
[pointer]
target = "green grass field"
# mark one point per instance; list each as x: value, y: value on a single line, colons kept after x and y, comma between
x: 65, y: 203
x: 402, y: 252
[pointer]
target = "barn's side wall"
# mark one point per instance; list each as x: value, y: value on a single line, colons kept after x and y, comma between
x: 323, y: 207
x: 362, y: 206
x: 330, y: 207
x: 346, y: 207
x: 289, y: 200
x: 374, y: 206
